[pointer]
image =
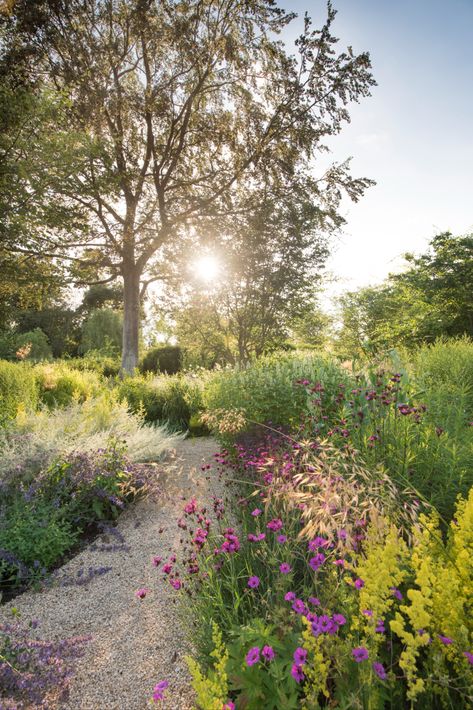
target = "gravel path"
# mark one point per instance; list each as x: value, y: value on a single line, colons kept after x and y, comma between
x: 136, y: 643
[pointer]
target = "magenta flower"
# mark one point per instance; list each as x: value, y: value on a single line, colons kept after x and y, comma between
x: 141, y: 593
x: 367, y: 612
x: 468, y: 656
x: 359, y: 583
x: 159, y: 689
x: 300, y: 656
x: 190, y: 507
x: 314, y: 600
x: 379, y: 670
x: 167, y: 568
x: 380, y: 627
x: 281, y: 539
x: 229, y: 706
x: 396, y: 593
x: 256, y: 512
x: 253, y: 582
x: 339, y: 619
x: 156, y: 561
x: 297, y: 673
x: 289, y: 596
x: 268, y: 653
x: 360, y: 654
x: 446, y: 640
x: 284, y: 568
x: 339, y: 563
x: 252, y: 656
x: 275, y: 524
x: 316, y: 561
x: 176, y: 583
x: 316, y: 543
x: 299, y: 607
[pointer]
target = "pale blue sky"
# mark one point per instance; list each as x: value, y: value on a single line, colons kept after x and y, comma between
x: 414, y: 136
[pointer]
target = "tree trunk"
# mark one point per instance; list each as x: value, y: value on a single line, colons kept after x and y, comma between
x: 131, y: 319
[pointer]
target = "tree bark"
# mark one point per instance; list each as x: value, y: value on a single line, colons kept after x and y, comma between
x: 131, y: 319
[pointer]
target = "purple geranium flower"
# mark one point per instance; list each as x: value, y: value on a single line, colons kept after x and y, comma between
x: 297, y: 673
x: 299, y: 607
x: 468, y: 656
x: 300, y: 656
x: 268, y: 653
x: 253, y: 582
x: 359, y: 583
x: 446, y: 640
x: 379, y: 670
x: 275, y: 524
x: 252, y: 656
x: 284, y: 568
x: 256, y: 512
x: 316, y: 561
x: 289, y: 596
x: 281, y: 539
x: 360, y: 653
x: 159, y: 689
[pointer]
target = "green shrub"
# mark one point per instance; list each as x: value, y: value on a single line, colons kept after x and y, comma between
x: 172, y: 399
x: 37, y: 344
x: 166, y: 359
x: 60, y: 384
x: 96, y: 361
x: 266, y: 390
x: 17, y: 387
x: 102, y: 331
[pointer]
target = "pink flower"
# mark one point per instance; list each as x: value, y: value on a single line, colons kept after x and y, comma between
x: 159, y: 689
x: 379, y: 670
x: 468, y: 656
x: 176, y: 583
x: 141, y: 593
x: 314, y: 600
x: 157, y: 561
x: 275, y: 524
x: 360, y: 654
x: 252, y: 656
x: 359, y: 583
x: 268, y: 653
x: 281, y: 539
x: 191, y: 507
x: 297, y: 673
x: 316, y: 561
x: 300, y: 656
x: 256, y: 512
x: 289, y: 596
x: 229, y: 706
x: 284, y: 568
x: 253, y: 582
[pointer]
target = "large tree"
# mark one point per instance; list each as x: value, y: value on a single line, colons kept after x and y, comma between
x: 189, y: 106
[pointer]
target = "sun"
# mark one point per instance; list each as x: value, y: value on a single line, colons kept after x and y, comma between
x: 206, y: 268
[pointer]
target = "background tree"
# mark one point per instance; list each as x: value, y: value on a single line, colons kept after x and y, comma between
x: 184, y: 105
x: 431, y: 298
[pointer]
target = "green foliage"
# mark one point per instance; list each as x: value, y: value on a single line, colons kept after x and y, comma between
x: 431, y: 298
x: 37, y: 344
x: 173, y: 399
x: 265, y: 390
x: 59, y: 384
x: 167, y: 359
x: 18, y: 387
x: 96, y: 361
x: 102, y: 331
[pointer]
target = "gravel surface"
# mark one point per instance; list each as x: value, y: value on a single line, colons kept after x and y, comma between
x: 135, y: 643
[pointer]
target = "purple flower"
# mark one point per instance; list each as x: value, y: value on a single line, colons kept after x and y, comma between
x: 367, y: 612
x: 256, y: 512
x: 316, y: 543
x: 468, y: 656
x: 359, y: 583
x: 141, y: 593
x: 253, y: 582
x: 281, y: 539
x: 339, y: 563
x: 300, y: 656
x: 316, y: 561
x: 289, y: 596
x: 299, y: 607
x: 339, y: 619
x: 297, y: 673
x: 380, y: 627
x: 284, y: 568
x: 314, y: 600
x: 159, y: 689
x: 252, y: 656
x: 446, y: 640
x: 268, y: 653
x: 396, y: 593
x: 157, y: 561
x: 379, y: 670
x: 360, y: 653
x: 324, y: 624
x: 176, y: 583
x: 275, y: 524
x: 229, y: 706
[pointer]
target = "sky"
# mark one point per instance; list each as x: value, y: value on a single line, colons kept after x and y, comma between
x: 413, y: 136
